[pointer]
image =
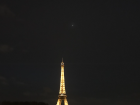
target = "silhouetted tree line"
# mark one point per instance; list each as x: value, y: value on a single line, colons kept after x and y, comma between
x: 23, y: 103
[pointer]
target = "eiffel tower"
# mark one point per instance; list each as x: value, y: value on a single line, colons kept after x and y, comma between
x: 62, y: 93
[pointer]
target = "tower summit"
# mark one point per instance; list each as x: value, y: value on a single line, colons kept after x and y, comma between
x: 62, y: 92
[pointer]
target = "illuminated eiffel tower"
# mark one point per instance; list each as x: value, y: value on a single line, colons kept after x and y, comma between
x: 62, y: 93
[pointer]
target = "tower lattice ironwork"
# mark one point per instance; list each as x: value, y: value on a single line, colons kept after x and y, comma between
x: 62, y: 92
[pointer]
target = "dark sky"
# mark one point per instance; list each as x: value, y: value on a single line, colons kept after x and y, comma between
x: 98, y: 40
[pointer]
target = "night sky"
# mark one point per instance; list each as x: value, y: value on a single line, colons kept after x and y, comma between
x: 99, y: 42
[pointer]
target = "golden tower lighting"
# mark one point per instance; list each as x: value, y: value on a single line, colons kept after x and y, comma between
x: 62, y: 92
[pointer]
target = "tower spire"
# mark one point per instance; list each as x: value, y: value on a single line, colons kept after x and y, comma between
x: 62, y: 92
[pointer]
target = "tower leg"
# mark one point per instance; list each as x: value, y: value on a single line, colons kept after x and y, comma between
x: 59, y: 102
x: 65, y: 102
